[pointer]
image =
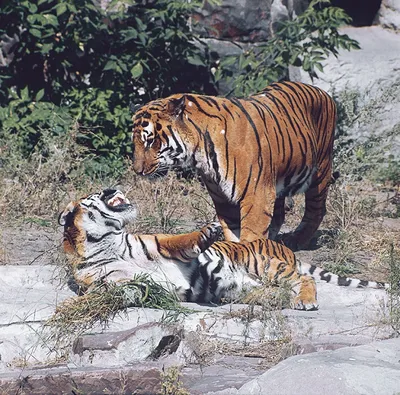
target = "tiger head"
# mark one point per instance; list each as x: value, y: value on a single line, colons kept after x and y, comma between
x: 157, y: 145
x: 94, y: 216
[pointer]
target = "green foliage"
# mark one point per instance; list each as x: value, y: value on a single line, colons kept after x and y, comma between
x: 77, y: 59
x: 304, y: 42
x: 27, y: 120
x: 372, y: 156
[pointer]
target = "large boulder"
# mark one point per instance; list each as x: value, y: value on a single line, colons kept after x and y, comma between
x: 373, y: 369
x: 389, y: 14
x: 368, y: 81
x: 240, y: 20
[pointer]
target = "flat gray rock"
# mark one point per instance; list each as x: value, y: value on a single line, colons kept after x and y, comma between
x: 372, y: 369
x: 30, y: 294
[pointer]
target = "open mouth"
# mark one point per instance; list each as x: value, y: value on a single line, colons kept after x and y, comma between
x: 114, y: 198
x: 117, y: 200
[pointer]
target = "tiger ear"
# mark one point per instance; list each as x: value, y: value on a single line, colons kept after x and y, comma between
x: 65, y: 216
x: 176, y: 107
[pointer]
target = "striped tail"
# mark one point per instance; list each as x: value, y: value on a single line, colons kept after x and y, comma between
x: 342, y: 281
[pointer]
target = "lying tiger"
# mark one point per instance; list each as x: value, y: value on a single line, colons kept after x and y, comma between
x: 194, y: 266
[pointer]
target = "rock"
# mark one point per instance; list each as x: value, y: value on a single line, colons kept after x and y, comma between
x: 369, y: 81
x: 147, y: 341
x: 370, y: 369
x: 241, y: 20
x: 279, y: 13
x: 28, y: 296
x: 143, y: 379
x: 230, y: 340
x: 389, y: 14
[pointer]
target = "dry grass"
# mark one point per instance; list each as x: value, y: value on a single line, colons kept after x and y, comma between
x: 360, y: 223
x: 80, y: 314
x: 168, y: 204
x: 205, y: 349
x: 41, y: 185
x: 171, y: 383
x: 270, y: 296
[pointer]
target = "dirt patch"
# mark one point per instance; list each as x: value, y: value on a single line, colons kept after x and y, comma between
x: 26, y: 243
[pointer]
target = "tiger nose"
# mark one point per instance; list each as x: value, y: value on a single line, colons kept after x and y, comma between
x: 138, y: 167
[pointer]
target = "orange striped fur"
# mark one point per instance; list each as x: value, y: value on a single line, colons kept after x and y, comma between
x: 251, y: 153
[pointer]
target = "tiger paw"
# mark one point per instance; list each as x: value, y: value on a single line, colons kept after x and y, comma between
x: 209, y: 234
x: 302, y: 305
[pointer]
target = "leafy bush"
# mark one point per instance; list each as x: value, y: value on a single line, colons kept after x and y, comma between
x: 372, y: 154
x: 73, y: 63
x: 304, y: 42
x: 75, y: 58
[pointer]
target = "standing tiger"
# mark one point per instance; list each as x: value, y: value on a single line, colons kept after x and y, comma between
x: 251, y: 153
x: 190, y: 265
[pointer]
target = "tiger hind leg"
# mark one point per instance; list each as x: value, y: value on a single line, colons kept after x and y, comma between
x: 315, y: 209
x: 306, y: 290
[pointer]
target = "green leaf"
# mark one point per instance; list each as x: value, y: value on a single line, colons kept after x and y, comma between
x: 61, y: 8
x: 51, y: 19
x: 137, y: 70
x: 39, y: 95
x: 229, y: 61
x: 35, y: 32
x: 32, y: 8
x: 25, y: 94
x: 46, y: 48
x: 319, y: 67
x: 130, y: 34
x: 110, y: 65
x: 195, y: 60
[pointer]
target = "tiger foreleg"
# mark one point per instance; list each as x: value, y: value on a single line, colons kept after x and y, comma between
x: 277, y: 219
x: 256, y: 213
x: 186, y: 247
x: 229, y: 218
x: 306, y: 290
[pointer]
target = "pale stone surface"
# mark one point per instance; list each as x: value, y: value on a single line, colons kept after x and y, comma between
x: 29, y: 296
x: 372, y: 369
x: 373, y: 74
x: 389, y: 14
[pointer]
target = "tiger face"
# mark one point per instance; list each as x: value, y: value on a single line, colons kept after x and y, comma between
x: 156, y: 144
x: 93, y: 216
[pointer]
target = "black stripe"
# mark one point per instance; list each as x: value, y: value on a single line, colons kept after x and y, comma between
x: 325, y: 276
x: 362, y: 284
x: 210, y: 152
x: 91, y: 239
x: 200, y: 109
x: 312, y: 269
x: 254, y: 127
x: 247, y: 184
x: 145, y: 250
x: 343, y: 281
